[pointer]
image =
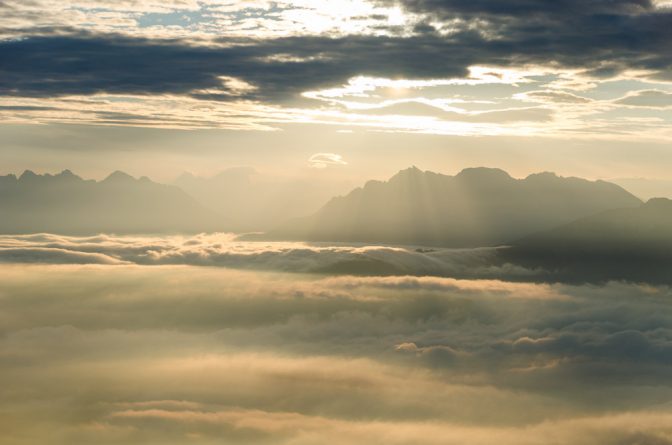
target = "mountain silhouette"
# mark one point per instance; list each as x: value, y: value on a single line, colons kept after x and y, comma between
x: 67, y: 204
x: 621, y: 244
x: 477, y: 207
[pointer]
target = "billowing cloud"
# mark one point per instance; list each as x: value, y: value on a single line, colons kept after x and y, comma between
x: 130, y: 354
x: 225, y: 250
x: 53, y: 255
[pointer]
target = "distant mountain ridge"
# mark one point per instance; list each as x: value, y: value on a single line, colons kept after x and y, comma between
x: 649, y: 224
x: 253, y: 201
x: 65, y: 203
x: 620, y: 244
x: 477, y: 207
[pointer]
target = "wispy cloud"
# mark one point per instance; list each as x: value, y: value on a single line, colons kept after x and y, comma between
x: 324, y: 160
x: 648, y: 98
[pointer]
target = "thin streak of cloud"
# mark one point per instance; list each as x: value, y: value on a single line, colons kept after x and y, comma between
x: 324, y: 160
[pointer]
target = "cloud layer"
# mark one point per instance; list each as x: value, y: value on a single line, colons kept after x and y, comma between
x: 224, y: 250
x: 174, y: 354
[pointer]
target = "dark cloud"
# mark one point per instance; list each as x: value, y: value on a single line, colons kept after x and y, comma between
x: 46, y: 66
x: 518, y: 8
x: 621, y: 346
x: 603, y: 37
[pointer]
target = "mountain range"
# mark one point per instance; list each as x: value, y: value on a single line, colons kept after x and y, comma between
x: 67, y: 204
x: 543, y: 217
x: 477, y: 207
x: 619, y: 244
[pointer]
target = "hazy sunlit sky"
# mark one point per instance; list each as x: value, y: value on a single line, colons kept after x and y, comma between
x: 349, y: 89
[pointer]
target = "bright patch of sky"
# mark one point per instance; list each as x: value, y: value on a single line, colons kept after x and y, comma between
x: 206, y: 19
x: 184, y: 19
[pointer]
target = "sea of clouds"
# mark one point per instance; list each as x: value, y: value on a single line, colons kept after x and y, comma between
x: 113, y: 340
x: 224, y: 250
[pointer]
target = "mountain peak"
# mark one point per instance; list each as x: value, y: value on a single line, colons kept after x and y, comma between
x: 67, y: 175
x: 409, y: 172
x: 27, y: 175
x: 483, y: 174
x: 118, y: 177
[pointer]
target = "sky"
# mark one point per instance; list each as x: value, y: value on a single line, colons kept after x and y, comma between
x: 349, y: 90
